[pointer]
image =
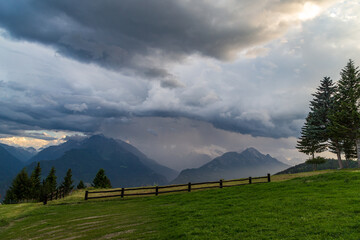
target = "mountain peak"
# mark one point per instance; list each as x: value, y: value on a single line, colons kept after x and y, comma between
x: 252, y: 151
x: 112, y: 152
x: 98, y: 137
x: 232, y: 165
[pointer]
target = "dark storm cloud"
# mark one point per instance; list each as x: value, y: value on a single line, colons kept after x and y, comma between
x: 144, y: 36
x: 147, y: 38
x: 27, y: 110
x: 73, y: 113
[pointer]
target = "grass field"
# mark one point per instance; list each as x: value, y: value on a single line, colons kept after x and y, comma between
x: 324, y: 206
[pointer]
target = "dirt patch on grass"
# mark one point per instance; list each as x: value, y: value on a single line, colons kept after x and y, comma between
x: 128, y: 225
x: 51, y: 234
x: 92, y: 217
x: 48, y: 228
x: 70, y: 238
x: 112, y: 235
x: 35, y: 225
x: 88, y: 223
x: 54, y: 231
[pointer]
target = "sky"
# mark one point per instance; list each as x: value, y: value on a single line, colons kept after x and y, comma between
x: 174, y: 78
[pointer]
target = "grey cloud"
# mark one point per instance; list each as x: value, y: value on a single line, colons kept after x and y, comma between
x: 76, y: 107
x: 261, y: 97
x: 167, y: 80
x: 142, y: 37
x: 22, y: 111
x: 75, y: 137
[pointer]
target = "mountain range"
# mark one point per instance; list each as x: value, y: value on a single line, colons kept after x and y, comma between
x: 232, y: 165
x: 125, y: 165
x: 22, y: 154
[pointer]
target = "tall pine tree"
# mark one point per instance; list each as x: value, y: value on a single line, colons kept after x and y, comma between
x: 35, y: 179
x: 345, y: 119
x: 20, y: 188
x: 314, y: 134
x: 321, y: 106
x: 50, y: 182
x: 67, y: 183
x: 309, y: 143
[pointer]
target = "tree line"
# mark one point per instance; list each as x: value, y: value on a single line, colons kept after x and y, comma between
x: 32, y: 188
x: 333, y: 122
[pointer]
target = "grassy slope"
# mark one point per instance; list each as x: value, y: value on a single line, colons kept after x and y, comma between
x: 325, y: 206
x: 329, y: 164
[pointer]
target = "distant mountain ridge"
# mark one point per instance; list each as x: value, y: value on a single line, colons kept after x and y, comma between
x: 233, y: 165
x: 55, y: 152
x: 169, y: 173
x: 21, y: 153
x: 124, y: 164
x: 9, y: 167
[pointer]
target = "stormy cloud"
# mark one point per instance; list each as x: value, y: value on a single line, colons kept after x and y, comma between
x: 145, y: 37
x: 242, y: 66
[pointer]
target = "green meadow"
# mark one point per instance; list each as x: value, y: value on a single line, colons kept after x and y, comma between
x: 325, y: 205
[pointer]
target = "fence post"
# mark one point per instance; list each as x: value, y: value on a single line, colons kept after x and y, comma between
x: 86, y: 195
x: 268, y: 175
x: 250, y: 180
x: 57, y: 192
x: 157, y: 190
x: 51, y: 196
x: 63, y: 192
x: 122, y: 192
x: 221, y: 183
x: 189, y: 187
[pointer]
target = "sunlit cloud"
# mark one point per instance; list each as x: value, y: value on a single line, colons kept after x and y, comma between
x: 29, y: 142
x: 38, y: 139
x: 310, y: 11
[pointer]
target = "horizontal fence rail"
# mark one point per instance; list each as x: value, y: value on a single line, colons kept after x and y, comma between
x: 58, y: 194
x: 188, y: 187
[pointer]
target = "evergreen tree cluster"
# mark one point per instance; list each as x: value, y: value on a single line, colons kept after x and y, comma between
x: 333, y: 122
x: 25, y: 188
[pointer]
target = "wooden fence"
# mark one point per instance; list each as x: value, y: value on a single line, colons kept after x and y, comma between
x: 156, y: 190
x: 58, y: 194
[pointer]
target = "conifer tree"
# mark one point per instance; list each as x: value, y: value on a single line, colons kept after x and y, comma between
x: 101, y: 180
x: 50, y: 182
x: 314, y: 134
x: 20, y: 188
x: 81, y: 185
x: 35, y: 179
x: 321, y: 106
x: 43, y: 191
x: 67, y: 183
x: 346, y: 118
x: 9, y: 197
x: 309, y: 143
x: 349, y: 148
x: 336, y: 130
